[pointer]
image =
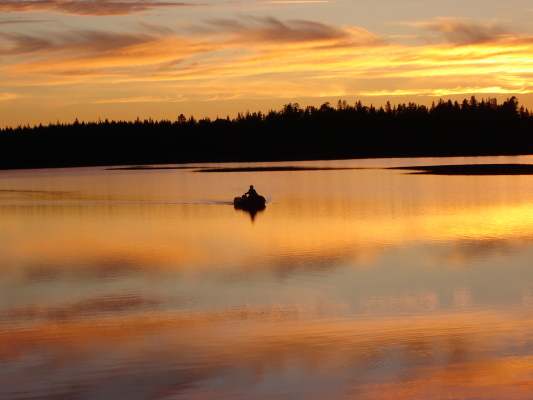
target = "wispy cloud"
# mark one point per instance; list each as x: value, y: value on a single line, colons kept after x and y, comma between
x: 6, y: 21
x: 117, y: 7
x: 218, y: 59
x: 142, y: 99
x: 214, y: 35
x: 465, y: 32
x: 446, y: 92
x: 280, y: 2
x: 88, y: 7
x: 254, y: 29
x: 293, y: 1
x: 77, y: 41
x: 262, y: 30
x: 264, y: 57
x: 9, y: 96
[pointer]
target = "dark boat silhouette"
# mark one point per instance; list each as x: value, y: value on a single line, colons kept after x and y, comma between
x: 249, y: 202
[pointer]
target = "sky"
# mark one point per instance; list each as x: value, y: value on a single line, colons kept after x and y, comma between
x: 62, y: 60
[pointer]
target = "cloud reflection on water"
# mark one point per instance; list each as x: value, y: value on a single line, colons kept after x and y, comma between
x: 263, y: 346
x: 409, y: 291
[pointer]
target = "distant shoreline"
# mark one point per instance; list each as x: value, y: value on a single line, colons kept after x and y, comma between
x: 504, y: 169
x: 470, y: 169
x: 452, y: 169
x: 447, y: 129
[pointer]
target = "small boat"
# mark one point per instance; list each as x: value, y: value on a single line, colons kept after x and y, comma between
x: 249, y: 202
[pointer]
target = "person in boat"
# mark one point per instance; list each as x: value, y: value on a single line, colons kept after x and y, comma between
x: 251, y: 191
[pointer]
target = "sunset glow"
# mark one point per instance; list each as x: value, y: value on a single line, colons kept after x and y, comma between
x: 63, y: 60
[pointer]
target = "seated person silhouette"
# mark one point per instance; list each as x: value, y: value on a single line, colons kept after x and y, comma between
x: 251, y: 192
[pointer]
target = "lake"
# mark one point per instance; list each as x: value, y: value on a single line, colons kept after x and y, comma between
x: 355, y: 282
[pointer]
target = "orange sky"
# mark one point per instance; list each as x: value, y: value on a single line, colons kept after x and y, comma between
x: 91, y: 59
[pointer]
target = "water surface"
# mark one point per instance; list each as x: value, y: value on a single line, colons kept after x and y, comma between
x: 356, y: 281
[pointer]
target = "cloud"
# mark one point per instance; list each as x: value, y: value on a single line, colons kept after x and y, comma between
x: 465, y: 32
x: 257, y: 29
x: 446, y: 92
x: 293, y: 1
x: 22, y: 43
x: 143, y: 99
x: 262, y: 58
x: 9, y: 96
x: 281, y: 2
x: 115, y: 7
x: 247, y: 34
x: 78, y: 41
x: 249, y: 29
x: 88, y: 7
x: 5, y: 21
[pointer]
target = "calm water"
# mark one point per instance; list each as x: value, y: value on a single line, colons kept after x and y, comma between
x: 351, y: 284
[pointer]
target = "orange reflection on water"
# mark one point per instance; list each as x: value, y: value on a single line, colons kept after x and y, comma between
x: 362, y: 283
x: 407, y: 357
x: 167, y: 238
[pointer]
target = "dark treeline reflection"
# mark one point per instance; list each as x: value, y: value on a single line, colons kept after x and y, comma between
x: 447, y: 128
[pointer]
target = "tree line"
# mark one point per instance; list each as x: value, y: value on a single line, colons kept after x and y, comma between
x: 467, y: 128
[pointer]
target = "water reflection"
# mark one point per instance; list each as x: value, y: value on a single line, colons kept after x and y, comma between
x: 251, y: 212
x: 366, y: 283
x: 271, y: 350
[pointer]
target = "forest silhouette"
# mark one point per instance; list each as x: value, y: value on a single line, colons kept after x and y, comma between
x: 469, y: 128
